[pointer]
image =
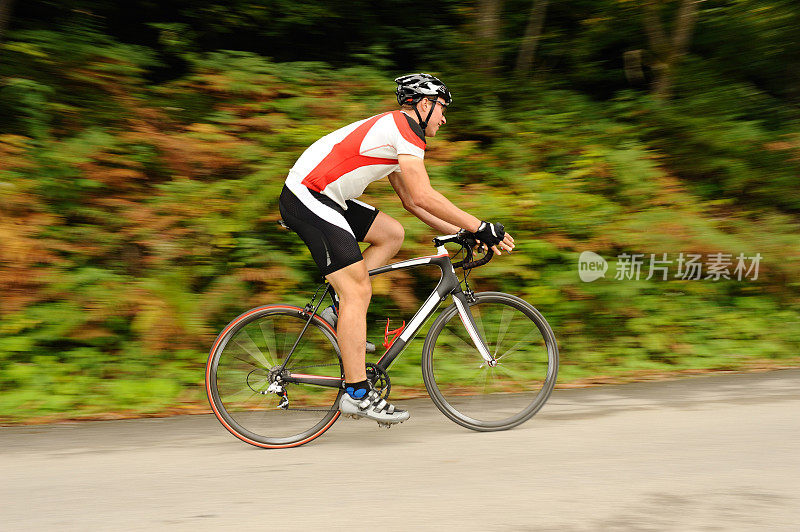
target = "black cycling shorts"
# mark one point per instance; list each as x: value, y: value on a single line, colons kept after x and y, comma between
x: 330, y: 232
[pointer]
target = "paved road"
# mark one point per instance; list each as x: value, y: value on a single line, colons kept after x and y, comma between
x: 704, y: 453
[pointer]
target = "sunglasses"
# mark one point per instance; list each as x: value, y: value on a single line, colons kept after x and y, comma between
x: 444, y: 105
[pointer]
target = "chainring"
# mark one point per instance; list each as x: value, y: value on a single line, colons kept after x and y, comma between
x: 379, y: 379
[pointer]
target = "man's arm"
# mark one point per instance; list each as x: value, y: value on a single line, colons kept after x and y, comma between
x: 414, y: 188
x: 432, y: 221
x: 417, y: 186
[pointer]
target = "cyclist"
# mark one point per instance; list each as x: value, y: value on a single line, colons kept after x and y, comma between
x: 318, y: 202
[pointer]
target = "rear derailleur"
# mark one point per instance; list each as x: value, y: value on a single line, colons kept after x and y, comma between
x: 275, y: 386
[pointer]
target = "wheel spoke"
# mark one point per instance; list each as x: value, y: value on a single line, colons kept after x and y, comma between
x: 505, y: 321
x: 250, y: 363
x: 244, y: 341
x: 268, y: 331
x: 462, y: 334
x: 245, y: 392
x: 525, y: 340
x: 507, y: 371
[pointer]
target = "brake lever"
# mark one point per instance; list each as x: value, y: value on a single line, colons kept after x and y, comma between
x: 467, y: 256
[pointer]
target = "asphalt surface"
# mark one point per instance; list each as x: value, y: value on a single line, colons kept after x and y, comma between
x: 703, y: 453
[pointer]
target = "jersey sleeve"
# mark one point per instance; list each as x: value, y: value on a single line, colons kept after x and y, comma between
x: 406, y: 142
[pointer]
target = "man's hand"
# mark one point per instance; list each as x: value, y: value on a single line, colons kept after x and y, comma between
x: 507, y: 244
x: 493, y: 235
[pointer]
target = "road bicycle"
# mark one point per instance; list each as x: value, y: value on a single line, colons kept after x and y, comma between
x: 274, y: 375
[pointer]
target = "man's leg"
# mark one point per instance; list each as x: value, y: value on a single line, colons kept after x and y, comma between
x: 385, y: 237
x: 354, y: 289
x: 352, y: 283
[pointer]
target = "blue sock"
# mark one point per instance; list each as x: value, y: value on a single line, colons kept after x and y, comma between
x: 357, y: 390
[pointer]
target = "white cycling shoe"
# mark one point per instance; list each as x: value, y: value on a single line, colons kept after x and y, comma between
x: 374, y: 407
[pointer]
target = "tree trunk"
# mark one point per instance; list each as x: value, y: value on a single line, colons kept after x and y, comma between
x: 527, y: 49
x: 667, y: 53
x: 632, y: 60
x: 5, y: 16
x: 487, y: 33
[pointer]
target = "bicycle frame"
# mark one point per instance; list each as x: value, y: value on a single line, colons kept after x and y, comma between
x: 449, y: 285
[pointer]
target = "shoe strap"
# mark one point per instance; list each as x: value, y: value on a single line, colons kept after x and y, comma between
x: 377, y: 403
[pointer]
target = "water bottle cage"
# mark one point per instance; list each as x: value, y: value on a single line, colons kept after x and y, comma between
x: 395, y: 333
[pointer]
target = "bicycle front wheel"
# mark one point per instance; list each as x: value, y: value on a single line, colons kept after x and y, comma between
x: 471, y: 392
x: 244, y: 362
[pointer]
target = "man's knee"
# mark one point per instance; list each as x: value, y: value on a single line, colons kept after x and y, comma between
x: 399, y: 233
x: 359, y: 294
x: 361, y: 287
x: 386, y: 232
x: 395, y: 234
x: 353, y: 284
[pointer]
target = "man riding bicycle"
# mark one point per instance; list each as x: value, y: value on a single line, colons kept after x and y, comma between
x: 319, y: 203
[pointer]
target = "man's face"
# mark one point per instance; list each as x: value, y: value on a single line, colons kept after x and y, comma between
x: 437, y: 118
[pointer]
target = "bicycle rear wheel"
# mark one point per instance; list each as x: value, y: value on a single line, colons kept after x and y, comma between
x: 244, y: 361
x: 469, y: 391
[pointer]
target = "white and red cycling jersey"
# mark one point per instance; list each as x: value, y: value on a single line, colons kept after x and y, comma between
x: 341, y: 164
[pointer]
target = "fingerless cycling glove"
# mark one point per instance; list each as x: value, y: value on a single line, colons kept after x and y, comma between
x: 490, y: 234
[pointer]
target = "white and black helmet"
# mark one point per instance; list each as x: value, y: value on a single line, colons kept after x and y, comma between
x: 411, y: 88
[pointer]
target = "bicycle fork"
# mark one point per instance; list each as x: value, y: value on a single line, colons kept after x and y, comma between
x: 464, y: 312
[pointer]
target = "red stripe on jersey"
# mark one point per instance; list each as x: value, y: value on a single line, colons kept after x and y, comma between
x: 344, y: 157
x: 405, y: 129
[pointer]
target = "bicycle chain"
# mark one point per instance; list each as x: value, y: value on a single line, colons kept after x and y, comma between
x: 380, y: 382
x: 310, y: 409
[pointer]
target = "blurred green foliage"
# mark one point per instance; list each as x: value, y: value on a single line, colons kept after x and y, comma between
x: 139, y: 176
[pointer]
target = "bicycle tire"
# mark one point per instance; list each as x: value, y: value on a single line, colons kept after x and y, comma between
x: 470, y: 392
x: 237, y: 376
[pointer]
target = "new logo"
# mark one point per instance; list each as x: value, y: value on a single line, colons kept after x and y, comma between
x: 591, y: 266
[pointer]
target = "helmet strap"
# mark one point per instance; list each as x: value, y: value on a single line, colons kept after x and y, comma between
x: 424, y: 123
